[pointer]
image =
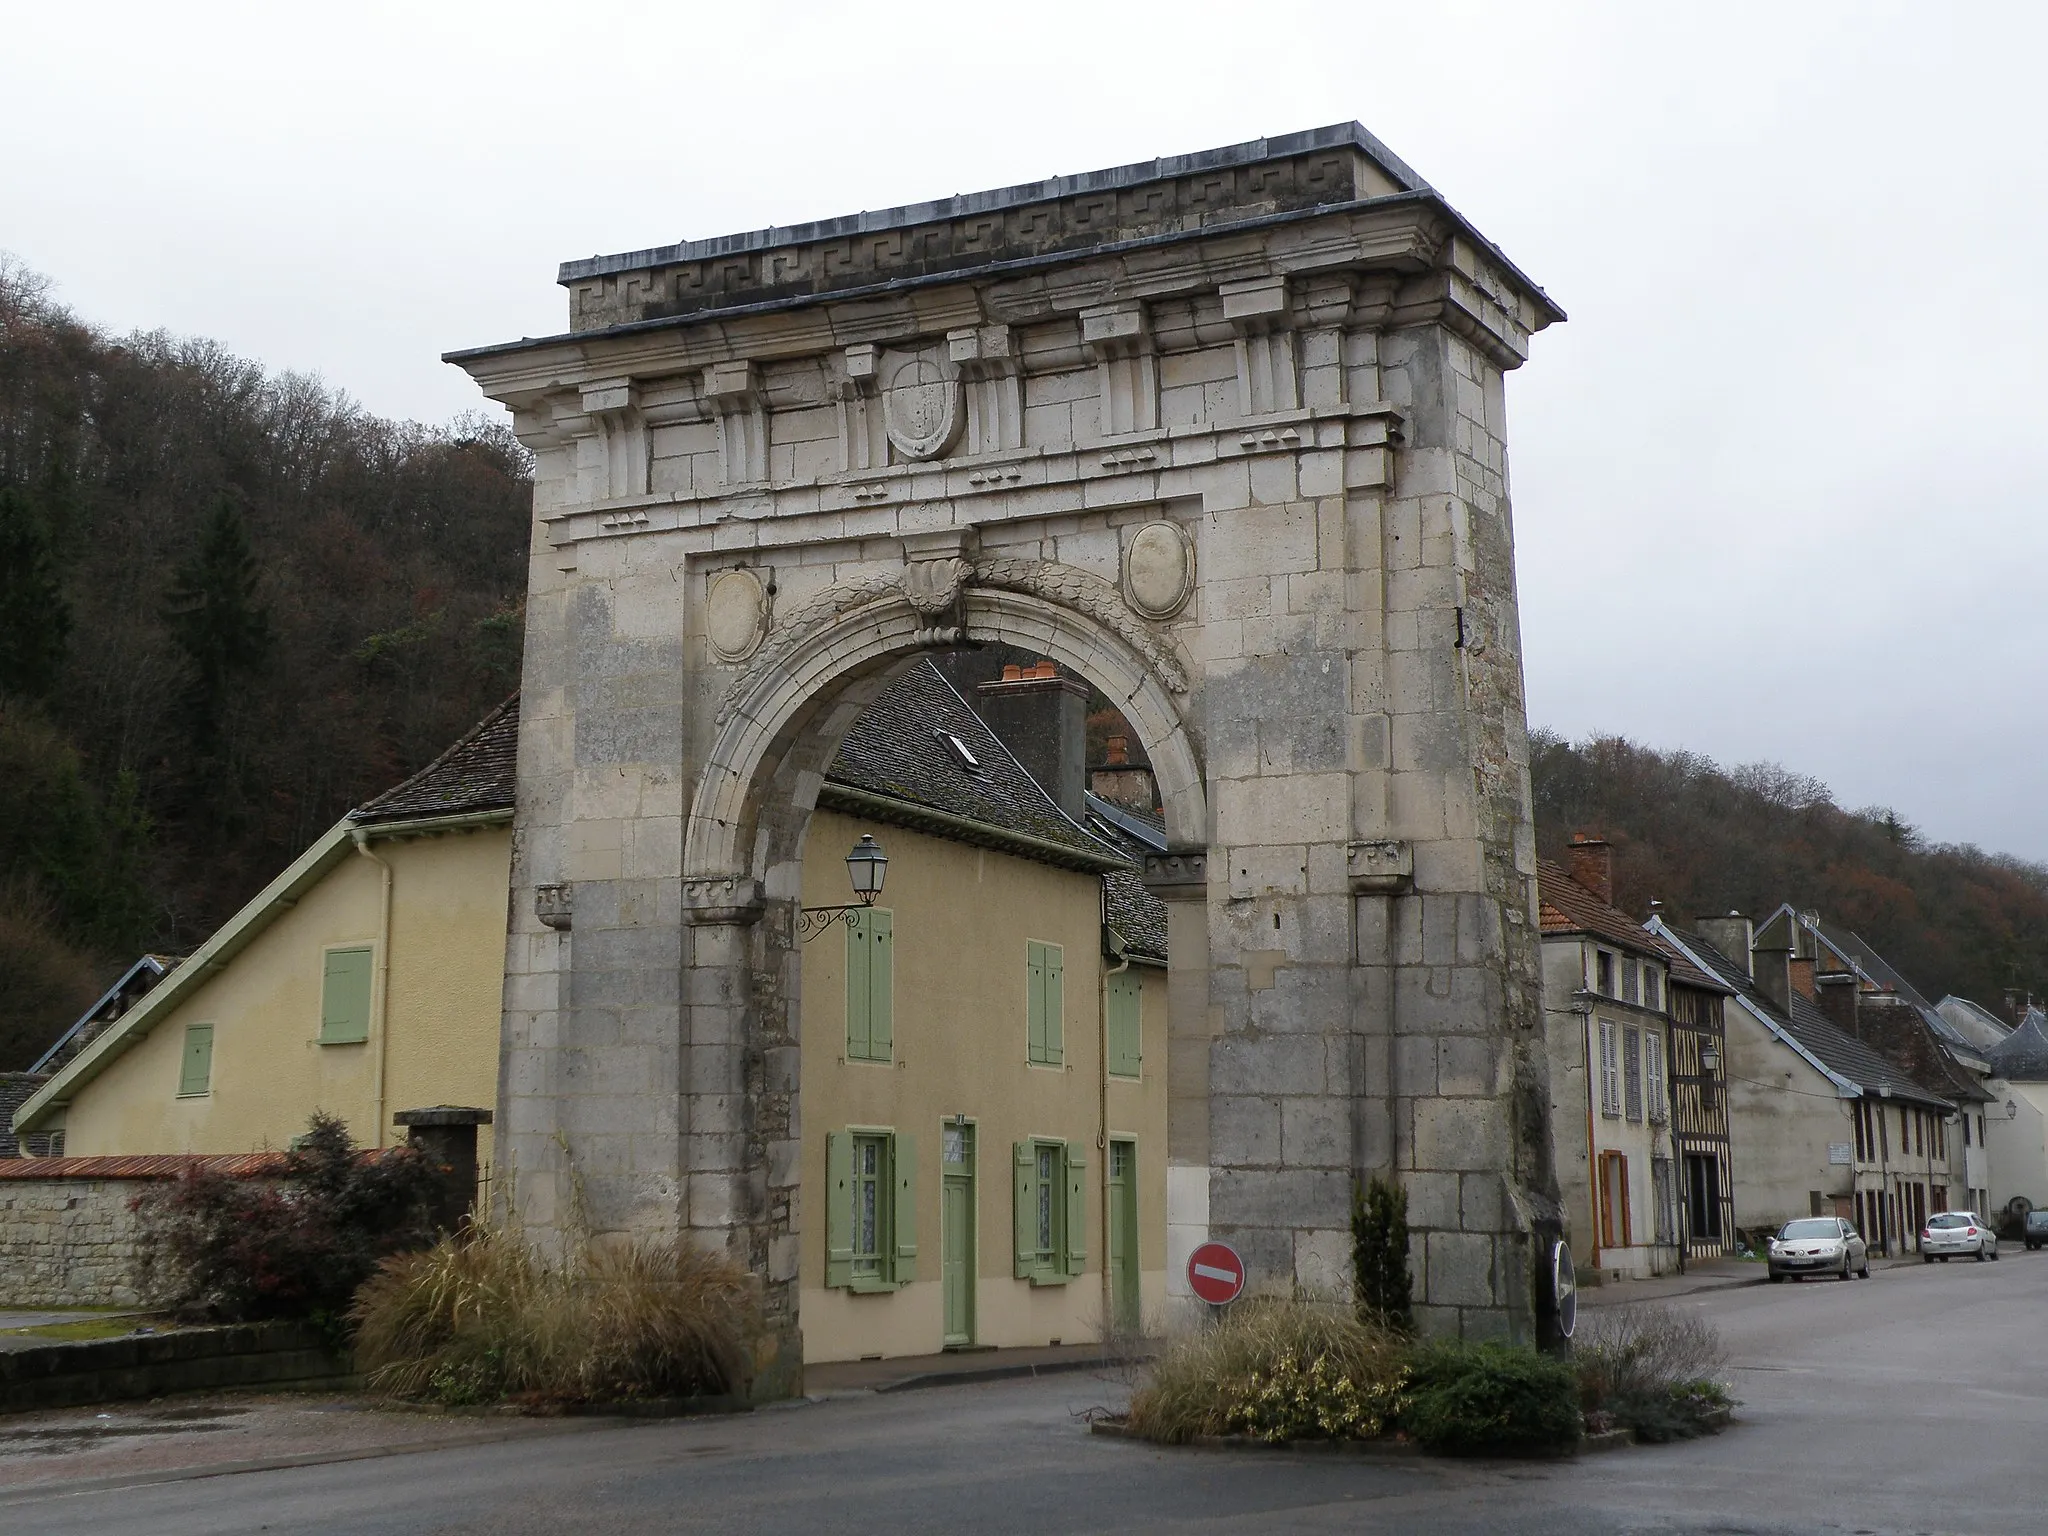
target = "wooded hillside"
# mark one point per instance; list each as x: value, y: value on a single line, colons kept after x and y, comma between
x: 1703, y: 839
x: 232, y: 605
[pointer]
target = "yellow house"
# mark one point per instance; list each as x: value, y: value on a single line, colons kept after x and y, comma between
x: 365, y: 979
x: 984, y: 1102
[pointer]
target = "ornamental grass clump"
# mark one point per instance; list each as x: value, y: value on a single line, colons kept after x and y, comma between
x: 480, y: 1317
x: 1650, y: 1369
x: 1275, y: 1370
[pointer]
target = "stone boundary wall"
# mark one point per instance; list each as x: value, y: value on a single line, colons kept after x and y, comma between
x: 152, y: 1365
x: 68, y: 1237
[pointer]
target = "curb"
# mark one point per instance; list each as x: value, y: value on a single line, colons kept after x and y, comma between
x: 1001, y: 1373
x: 1400, y: 1449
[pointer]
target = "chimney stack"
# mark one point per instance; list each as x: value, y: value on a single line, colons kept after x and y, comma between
x: 1042, y: 717
x: 1733, y: 935
x: 1802, y: 976
x: 1122, y: 782
x: 1591, y: 862
x: 1772, y: 969
x: 1838, y: 993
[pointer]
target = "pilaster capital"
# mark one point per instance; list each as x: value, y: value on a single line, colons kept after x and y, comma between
x: 722, y: 899
x: 1385, y: 867
x: 1179, y: 874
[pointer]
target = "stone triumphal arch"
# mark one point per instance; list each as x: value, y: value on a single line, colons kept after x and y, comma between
x: 1225, y: 434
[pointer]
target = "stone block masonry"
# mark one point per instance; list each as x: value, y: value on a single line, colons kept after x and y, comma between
x: 1223, y: 433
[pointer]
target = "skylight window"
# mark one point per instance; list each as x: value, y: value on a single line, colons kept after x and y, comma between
x: 960, y: 750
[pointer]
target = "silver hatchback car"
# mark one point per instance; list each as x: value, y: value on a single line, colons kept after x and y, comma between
x: 1818, y: 1245
x: 1957, y: 1234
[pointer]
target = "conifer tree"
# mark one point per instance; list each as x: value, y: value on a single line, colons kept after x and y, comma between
x: 35, y: 620
x: 216, y: 620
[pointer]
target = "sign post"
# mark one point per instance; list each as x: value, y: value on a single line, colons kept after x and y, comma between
x: 1216, y: 1275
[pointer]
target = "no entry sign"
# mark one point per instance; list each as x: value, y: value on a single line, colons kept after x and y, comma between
x: 1216, y: 1273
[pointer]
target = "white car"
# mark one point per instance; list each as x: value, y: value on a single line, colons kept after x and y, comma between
x: 1818, y: 1245
x: 1955, y: 1234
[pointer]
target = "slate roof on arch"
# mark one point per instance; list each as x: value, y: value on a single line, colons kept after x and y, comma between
x: 479, y: 773
x: 2023, y: 1055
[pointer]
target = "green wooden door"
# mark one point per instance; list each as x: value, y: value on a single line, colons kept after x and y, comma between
x: 1123, y: 1233
x: 956, y: 1233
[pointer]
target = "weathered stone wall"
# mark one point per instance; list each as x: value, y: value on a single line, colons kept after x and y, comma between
x: 1240, y: 459
x: 69, y: 1242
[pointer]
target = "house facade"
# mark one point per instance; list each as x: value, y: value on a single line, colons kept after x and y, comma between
x: 1607, y: 988
x: 2015, y: 1121
x: 1819, y: 1123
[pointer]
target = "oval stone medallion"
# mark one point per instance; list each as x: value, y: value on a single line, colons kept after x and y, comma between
x: 1159, y: 570
x: 733, y: 610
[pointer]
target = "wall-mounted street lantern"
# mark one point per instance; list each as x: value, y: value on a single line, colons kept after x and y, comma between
x: 1710, y: 1057
x: 866, y: 867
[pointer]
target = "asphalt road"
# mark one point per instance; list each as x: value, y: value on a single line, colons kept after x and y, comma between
x: 1911, y: 1402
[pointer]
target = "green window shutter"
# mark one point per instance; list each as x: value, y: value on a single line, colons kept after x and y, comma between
x: 881, y: 984
x: 1055, y: 1005
x: 1076, y: 1223
x: 1034, y: 1000
x: 1025, y: 1182
x: 1125, y: 1033
x: 903, y: 1165
x: 345, y: 997
x: 859, y: 988
x: 838, y: 1208
x: 195, y: 1067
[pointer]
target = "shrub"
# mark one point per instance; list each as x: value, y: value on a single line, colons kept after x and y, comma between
x: 1650, y: 1369
x: 298, y: 1246
x: 1280, y: 1370
x: 1379, y: 1254
x: 1491, y: 1399
x: 480, y: 1317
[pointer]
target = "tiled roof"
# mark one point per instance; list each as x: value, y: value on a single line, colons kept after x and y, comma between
x: 478, y: 773
x: 2023, y: 1056
x: 899, y: 748
x: 15, y: 1087
x: 1564, y: 906
x: 1982, y: 1028
x: 164, y: 1165
x: 1839, y: 1052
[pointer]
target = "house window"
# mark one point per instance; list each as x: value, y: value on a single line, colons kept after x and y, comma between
x: 1051, y: 1215
x: 195, y: 1065
x: 1614, y: 1220
x: 1610, y: 1071
x: 1653, y: 988
x: 1664, y: 1197
x: 345, y: 986
x: 1045, y: 1001
x: 871, y: 985
x: 871, y: 1209
x: 1631, y: 983
x: 1125, y: 992
x: 1860, y: 1118
x: 1632, y: 1071
x: 1653, y: 1076
x: 1919, y: 1133
x: 1966, y: 1130
x: 1603, y: 971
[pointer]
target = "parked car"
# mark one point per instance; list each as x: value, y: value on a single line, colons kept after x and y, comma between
x: 1817, y: 1245
x: 1955, y: 1234
x: 2034, y: 1229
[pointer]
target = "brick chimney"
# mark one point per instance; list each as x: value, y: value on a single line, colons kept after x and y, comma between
x: 1839, y: 993
x: 1802, y: 976
x: 1591, y: 862
x: 1042, y: 717
x: 1733, y: 935
x: 1122, y: 782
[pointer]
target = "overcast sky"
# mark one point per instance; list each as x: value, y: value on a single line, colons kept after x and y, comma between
x: 1779, y: 482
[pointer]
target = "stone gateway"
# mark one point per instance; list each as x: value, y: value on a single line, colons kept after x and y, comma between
x: 1222, y: 433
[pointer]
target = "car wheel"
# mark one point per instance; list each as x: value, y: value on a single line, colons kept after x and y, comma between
x: 1926, y: 1258
x: 1846, y: 1273
x: 1994, y: 1253
x: 1776, y: 1278
x: 1864, y: 1272
x: 1980, y: 1253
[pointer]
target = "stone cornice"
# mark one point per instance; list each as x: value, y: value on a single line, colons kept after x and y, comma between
x: 1411, y: 233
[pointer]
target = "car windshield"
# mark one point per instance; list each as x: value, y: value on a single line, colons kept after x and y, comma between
x: 2037, y: 1218
x: 1798, y: 1229
x: 1952, y: 1219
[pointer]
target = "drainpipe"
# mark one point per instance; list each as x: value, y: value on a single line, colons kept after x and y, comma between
x: 380, y: 995
x: 1109, y: 1318
x: 1594, y: 1194
x: 1886, y: 1216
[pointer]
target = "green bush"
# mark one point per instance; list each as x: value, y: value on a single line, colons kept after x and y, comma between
x: 480, y: 1317
x: 1491, y: 1399
x: 1279, y: 1370
x: 1379, y: 1254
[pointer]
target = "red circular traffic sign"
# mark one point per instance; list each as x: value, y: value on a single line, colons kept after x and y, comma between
x: 1216, y: 1273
